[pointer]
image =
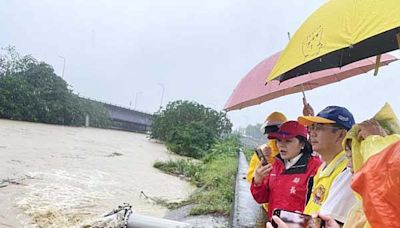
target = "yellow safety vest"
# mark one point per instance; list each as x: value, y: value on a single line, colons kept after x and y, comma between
x: 323, y: 181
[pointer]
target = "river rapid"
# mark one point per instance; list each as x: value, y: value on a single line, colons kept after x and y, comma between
x: 57, y: 176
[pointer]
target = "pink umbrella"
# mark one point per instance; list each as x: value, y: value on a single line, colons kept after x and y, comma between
x: 252, y: 90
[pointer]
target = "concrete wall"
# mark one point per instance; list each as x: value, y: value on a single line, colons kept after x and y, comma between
x: 245, y: 208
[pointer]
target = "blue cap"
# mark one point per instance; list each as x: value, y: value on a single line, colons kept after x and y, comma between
x: 331, y: 114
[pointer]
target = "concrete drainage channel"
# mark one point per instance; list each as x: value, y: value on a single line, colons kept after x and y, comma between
x: 245, y: 209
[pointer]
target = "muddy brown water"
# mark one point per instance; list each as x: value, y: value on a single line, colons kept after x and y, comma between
x: 57, y: 176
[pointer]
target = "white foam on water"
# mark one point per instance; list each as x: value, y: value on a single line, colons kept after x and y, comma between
x: 65, y: 175
x: 65, y: 199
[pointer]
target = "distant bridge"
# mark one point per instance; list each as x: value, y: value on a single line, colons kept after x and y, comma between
x: 128, y: 119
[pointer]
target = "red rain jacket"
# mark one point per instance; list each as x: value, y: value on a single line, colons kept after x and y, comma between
x: 287, y: 189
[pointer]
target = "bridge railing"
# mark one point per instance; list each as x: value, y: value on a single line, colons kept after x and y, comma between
x: 123, y: 118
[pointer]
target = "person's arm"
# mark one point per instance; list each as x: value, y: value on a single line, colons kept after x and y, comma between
x: 259, y: 185
x: 370, y: 127
x: 307, y: 109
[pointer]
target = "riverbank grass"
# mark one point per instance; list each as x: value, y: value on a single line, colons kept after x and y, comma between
x: 214, y: 175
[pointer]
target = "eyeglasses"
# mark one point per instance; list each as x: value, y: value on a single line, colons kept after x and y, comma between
x: 320, y: 127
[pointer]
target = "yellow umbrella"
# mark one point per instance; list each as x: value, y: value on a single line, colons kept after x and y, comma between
x: 338, y: 33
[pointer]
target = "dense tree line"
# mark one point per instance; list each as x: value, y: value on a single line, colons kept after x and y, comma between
x: 189, y: 128
x: 31, y: 91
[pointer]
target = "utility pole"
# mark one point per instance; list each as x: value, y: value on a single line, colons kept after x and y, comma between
x: 63, y: 70
x: 136, y: 96
x: 162, y: 93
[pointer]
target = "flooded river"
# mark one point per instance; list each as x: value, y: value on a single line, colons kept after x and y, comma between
x: 56, y: 176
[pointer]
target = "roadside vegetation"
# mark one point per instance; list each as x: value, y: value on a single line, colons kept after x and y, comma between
x: 204, y: 136
x: 193, y: 130
x: 248, y: 153
x: 31, y: 91
x: 214, y: 175
x: 189, y: 128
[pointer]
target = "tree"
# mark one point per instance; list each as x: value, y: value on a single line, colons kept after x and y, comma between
x: 189, y: 128
x: 31, y: 91
x: 12, y: 62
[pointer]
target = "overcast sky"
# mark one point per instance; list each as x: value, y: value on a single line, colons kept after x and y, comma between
x: 121, y: 51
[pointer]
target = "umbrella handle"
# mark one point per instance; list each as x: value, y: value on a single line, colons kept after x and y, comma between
x: 304, y: 101
x: 307, y: 109
x: 377, y: 64
x: 304, y: 95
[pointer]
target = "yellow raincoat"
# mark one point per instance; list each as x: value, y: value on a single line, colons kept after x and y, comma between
x: 371, y: 188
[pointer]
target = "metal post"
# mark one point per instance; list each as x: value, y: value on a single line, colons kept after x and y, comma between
x: 87, y: 120
x: 162, y: 93
x: 64, y: 60
x: 136, y: 96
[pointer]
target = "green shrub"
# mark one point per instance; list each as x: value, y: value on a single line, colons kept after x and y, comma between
x: 227, y: 146
x: 215, y: 174
x: 181, y: 167
x: 189, y: 128
x: 218, y: 181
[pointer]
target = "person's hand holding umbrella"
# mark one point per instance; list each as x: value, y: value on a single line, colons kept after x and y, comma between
x: 307, y: 109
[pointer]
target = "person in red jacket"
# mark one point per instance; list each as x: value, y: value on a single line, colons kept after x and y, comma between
x: 287, y: 184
